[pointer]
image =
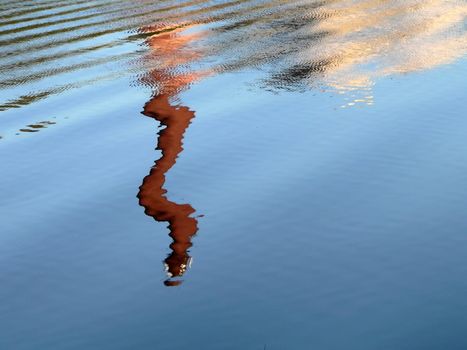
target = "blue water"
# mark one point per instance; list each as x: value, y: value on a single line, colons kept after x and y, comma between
x: 318, y: 227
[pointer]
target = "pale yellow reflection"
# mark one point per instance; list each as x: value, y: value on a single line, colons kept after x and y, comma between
x: 371, y: 39
x: 343, y: 46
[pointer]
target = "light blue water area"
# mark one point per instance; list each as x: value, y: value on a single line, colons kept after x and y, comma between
x: 323, y: 227
x: 320, y: 144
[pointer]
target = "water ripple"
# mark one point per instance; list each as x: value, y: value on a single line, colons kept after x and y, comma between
x: 338, y: 45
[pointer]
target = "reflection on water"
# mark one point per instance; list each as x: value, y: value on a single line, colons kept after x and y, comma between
x: 369, y: 39
x: 365, y: 203
x: 152, y: 195
x: 338, y: 45
x: 343, y: 45
x: 37, y: 126
x: 175, y: 119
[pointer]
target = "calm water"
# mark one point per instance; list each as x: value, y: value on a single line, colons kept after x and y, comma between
x: 243, y: 174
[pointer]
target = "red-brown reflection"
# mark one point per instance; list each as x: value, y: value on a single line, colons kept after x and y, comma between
x: 152, y: 194
x: 168, y: 51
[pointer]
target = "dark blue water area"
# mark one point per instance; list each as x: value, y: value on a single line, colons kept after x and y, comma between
x: 322, y: 228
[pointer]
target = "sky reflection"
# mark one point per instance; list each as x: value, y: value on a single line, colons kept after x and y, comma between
x: 342, y: 46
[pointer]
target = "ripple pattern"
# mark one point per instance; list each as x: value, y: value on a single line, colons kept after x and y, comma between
x: 50, y: 46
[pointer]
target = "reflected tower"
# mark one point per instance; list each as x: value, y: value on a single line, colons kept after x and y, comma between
x: 167, y: 50
x: 152, y: 195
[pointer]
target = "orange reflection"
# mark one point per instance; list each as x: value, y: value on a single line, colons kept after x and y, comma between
x: 167, y: 48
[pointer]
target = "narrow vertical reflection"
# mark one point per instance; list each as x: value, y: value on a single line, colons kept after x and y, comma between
x: 152, y: 194
x: 167, y: 51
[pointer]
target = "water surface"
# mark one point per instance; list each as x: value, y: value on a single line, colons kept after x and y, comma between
x: 233, y: 174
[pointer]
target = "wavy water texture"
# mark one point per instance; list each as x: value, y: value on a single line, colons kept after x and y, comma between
x: 48, y: 47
